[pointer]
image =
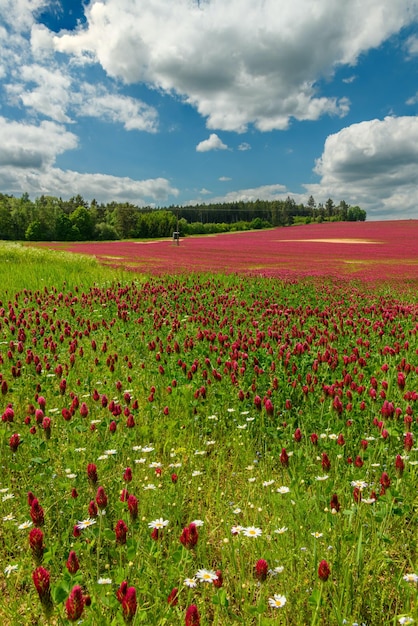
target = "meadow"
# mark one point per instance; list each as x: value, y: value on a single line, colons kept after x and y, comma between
x: 235, y: 446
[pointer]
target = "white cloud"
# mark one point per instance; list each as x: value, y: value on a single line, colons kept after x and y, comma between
x: 102, y: 187
x: 27, y: 156
x: 33, y: 146
x: 224, y: 179
x: 42, y: 90
x: 133, y: 114
x: 413, y: 99
x: 213, y: 143
x: 411, y: 45
x: 260, y: 68
x: 244, y: 146
x: 264, y: 192
x: 372, y: 164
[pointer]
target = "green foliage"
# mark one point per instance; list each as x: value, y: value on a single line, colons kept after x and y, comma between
x: 53, y: 219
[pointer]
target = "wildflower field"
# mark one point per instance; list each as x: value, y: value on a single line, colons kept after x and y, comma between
x: 183, y: 448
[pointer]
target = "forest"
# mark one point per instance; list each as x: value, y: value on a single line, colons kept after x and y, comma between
x: 49, y: 218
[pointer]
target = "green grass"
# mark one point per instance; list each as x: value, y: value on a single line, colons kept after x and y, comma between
x: 193, y: 353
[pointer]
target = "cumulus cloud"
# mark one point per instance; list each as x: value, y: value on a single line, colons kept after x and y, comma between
x: 132, y: 113
x: 26, y: 145
x: 264, y: 192
x: 244, y: 146
x: 213, y: 143
x: 27, y: 157
x: 372, y: 164
x: 102, y: 187
x: 260, y: 69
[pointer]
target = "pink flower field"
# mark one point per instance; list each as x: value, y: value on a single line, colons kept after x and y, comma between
x: 364, y: 250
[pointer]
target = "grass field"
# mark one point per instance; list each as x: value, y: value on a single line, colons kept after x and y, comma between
x: 210, y: 448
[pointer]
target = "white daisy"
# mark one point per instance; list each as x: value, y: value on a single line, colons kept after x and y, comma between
x: 86, y: 523
x: 277, y: 601
x: 283, y: 490
x: 190, y: 582
x: 25, y: 525
x: 104, y: 581
x: 206, y: 576
x: 251, y: 531
x: 158, y: 523
x: 9, y: 569
x: 411, y: 578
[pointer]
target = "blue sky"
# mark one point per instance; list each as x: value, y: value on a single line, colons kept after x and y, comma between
x: 161, y: 102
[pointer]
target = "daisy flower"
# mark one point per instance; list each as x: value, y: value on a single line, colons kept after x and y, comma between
x: 110, y: 452
x: 198, y: 523
x: 277, y: 601
x: 190, y: 582
x: 104, y: 581
x: 267, y: 483
x: 8, y: 496
x: 158, y: 523
x: 86, y: 523
x: 317, y: 535
x: 236, y: 529
x: 251, y: 531
x: 9, y: 569
x: 206, y: 575
x: 8, y: 518
x: 321, y: 477
x: 147, y: 449
x: 281, y: 531
x: 149, y: 487
x: 283, y: 490
x: 411, y: 578
x: 360, y: 484
x: 25, y: 525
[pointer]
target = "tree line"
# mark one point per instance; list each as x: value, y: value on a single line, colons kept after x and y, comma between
x: 49, y: 218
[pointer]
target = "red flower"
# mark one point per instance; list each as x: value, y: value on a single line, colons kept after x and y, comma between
x: 36, y: 542
x: 385, y: 480
x: 189, y: 536
x: 129, y: 605
x: 74, y: 605
x: 74, y: 493
x: 314, y: 438
x: 399, y: 465
x: 261, y: 569
x: 37, y: 513
x: 41, y: 579
x: 192, y: 616
x: 325, y: 462
x: 334, y: 504
x: 173, y: 599
x: 358, y: 461
x: 76, y: 531
x: 341, y: 440
x: 101, y: 498
x: 112, y: 426
x: 324, y: 570
x: 121, y: 530
x: 14, y: 442
x: 92, y: 473
x: 133, y: 507
x: 127, y: 475
x: 357, y: 495
x: 72, y: 563
x: 284, y: 458
x: 297, y: 435
x: 408, y: 442
x: 122, y: 589
x: 93, y: 512
x: 218, y: 582
x: 174, y: 478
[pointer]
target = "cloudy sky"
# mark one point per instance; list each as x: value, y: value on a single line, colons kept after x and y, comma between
x: 161, y: 102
